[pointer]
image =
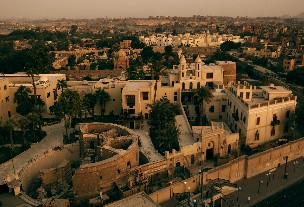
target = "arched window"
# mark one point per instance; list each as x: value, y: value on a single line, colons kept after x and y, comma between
x: 198, y: 85
x: 229, y: 148
x: 191, y: 85
x: 183, y: 85
x: 257, y: 135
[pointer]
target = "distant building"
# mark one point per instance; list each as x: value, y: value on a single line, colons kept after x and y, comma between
x: 121, y: 60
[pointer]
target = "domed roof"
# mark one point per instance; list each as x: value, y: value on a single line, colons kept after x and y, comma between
x: 182, y: 59
x: 198, y: 59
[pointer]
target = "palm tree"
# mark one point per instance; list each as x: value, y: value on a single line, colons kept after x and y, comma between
x: 39, y: 109
x: 103, y: 97
x: 23, y: 101
x: 69, y: 106
x: 90, y: 100
x: 22, y: 124
x: 203, y: 94
x: 162, y: 122
x: 33, y: 120
x: 156, y: 71
x: 10, y: 124
x: 62, y: 84
x: 32, y: 72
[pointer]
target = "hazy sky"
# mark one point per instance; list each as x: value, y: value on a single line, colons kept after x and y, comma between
x: 144, y: 8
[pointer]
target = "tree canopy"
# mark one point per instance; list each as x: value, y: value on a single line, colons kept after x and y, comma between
x: 163, y: 132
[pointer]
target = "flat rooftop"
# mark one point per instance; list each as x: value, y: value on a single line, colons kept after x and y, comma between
x: 136, y: 85
x: 275, y: 89
x: 138, y: 200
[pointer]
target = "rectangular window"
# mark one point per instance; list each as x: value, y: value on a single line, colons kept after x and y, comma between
x: 209, y: 75
x: 223, y: 108
x: 287, y: 114
x: 258, y: 121
x: 131, y: 100
x: 220, y: 116
x: 175, y: 98
x: 247, y: 95
x: 241, y: 94
x: 145, y: 96
x: 211, y: 109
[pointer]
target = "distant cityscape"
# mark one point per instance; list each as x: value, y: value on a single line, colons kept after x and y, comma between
x: 158, y: 111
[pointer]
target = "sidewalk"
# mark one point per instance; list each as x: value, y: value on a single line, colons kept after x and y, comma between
x: 276, y: 182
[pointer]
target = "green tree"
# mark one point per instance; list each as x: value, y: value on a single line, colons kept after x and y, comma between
x: 147, y: 53
x: 23, y: 100
x: 10, y: 125
x: 39, y: 110
x: 69, y: 106
x: 163, y: 132
x: 62, y: 84
x: 168, y: 50
x: 23, y: 124
x: 72, y: 61
x: 73, y: 29
x: 90, y: 102
x: 204, y: 95
x: 103, y: 97
x: 33, y: 120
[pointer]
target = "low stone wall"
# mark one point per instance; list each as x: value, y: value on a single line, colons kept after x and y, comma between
x: 49, y: 159
x: 237, y: 169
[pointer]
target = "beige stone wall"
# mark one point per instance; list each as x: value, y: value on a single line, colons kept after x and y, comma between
x: 90, y: 179
x: 49, y: 159
x: 5, y: 99
x: 240, y: 168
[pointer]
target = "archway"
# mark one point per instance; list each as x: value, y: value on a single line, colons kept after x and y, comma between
x: 183, y: 86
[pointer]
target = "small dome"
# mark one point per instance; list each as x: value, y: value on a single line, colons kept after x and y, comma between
x: 198, y: 59
x: 182, y: 60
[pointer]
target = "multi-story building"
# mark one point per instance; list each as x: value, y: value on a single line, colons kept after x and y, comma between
x: 229, y: 71
x: 260, y: 114
x: 5, y: 99
x: 197, y: 40
x: 46, y: 89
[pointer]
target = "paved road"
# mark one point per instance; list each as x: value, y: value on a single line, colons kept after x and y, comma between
x: 291, y: 196
x: 276, y: 183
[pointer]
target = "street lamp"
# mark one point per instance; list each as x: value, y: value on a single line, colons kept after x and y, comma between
x: 238, y: 193
x: 202, y: 182
x: 189, y: 196
x: 260, y: 183
x: 285, y: 171
x: 294, y: 165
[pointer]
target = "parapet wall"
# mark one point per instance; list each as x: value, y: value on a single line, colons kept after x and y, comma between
x: 237, y: 169
x: 49, y: 159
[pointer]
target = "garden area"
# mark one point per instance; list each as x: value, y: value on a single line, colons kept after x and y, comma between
x: 14, y: 142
